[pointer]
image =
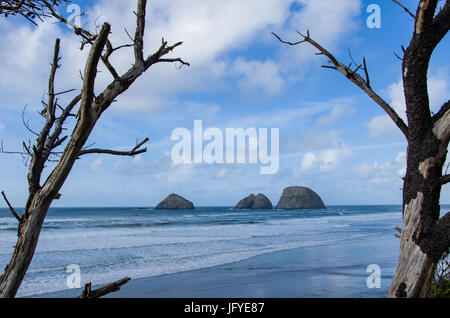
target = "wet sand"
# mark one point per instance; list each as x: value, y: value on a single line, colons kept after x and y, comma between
x: 335, y: 270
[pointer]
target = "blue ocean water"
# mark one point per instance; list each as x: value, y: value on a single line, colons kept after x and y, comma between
x: 110, y: 243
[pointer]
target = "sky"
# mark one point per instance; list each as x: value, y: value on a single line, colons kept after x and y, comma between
x: 332, y: 137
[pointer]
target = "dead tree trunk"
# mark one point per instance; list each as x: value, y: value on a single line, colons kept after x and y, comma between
x: 89, y: 112
x: 425, y: 236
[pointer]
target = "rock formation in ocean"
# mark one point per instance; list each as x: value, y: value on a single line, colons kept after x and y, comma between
x: 299, y: 198
x: 259, y: 201
x: 175, y: 202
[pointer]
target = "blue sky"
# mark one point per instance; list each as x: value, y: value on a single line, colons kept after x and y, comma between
x: 333, y: 138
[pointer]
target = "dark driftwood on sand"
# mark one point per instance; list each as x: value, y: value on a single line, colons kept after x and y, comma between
x: 102, y: 291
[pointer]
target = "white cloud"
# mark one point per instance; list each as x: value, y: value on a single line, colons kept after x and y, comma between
x: 227, y: 172
x: 208, y: 28
x: 308, y: 161
x: 259, y: 76
x: 312, y: 141
x: 385, y: 174
x: 205, y: 28
x: 326, y: 19
x: 324, y: 161
x: 382, y: 125
x: 207, y: 33
x: 97, y: 165
x: 23, y: 65
x: 335, y: 113
x: 163, y: 170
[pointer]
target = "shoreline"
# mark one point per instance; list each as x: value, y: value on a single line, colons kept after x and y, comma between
x: 335, y: 270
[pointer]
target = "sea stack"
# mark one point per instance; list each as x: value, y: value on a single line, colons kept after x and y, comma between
x: 294, y: 198
x: 255, y: 202
x: 175, y: 202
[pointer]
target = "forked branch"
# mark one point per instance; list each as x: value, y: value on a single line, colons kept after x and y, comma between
x: 352, y: 75
x: 133, y: 152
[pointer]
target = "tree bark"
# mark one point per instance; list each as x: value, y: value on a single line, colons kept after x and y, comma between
x: 29, y: 230
x: 422, y: 243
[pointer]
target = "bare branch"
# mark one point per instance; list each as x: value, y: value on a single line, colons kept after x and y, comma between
x: 26, y: 123
x: 139, y: 35
x: 175, y: 60
x: 163, y: 50
x: 10, y: 207
x: 353, y: 76
x: 405, y: 8
x: 29, y: 9
x: 399, y: 230
x: 441, y: 237
x: 90, y: 72
x: 441, y: 21
x: 133, y: 152
x: 425, y: 15
x: 88, y: 37
x: 110, y: 288
x: 292, y: 43
x: 444, y: 108
x: 51, y: 82
x: 64, y: 92
x: 445, y: 179
x: 110, y: 68
x: 366, y: 72
x: 27, y: 149
x: 41, y: 151
x: 429, y: 30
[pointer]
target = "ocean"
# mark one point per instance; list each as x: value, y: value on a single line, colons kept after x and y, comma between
x: 110, y: 243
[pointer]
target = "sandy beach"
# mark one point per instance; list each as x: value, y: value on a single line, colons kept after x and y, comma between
x: 335, y: 270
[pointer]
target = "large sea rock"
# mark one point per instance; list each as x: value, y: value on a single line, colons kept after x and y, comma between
x: 175, y: 202
x: 259, y: 202
x: 294, y: 198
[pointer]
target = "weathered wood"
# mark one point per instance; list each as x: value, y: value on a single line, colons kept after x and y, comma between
x: 102, y: 291
x: 412, y: 263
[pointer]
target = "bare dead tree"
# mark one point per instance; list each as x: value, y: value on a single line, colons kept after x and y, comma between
x: 88, y: 109
x: 29, y: 9
x: 425, y: 236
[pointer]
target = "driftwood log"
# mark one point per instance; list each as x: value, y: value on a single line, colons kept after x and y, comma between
x: 102, y: 291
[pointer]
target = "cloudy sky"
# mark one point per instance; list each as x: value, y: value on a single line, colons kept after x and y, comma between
x: 333, y: 138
